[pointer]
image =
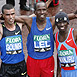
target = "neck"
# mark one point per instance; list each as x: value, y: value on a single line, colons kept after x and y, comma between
x: 41, y: 22
x: 64, y: 32
x: 10, y: 27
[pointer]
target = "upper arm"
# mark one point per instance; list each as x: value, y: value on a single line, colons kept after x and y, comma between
x: 71, y: 16
x: 21, y: 19
x: 25, y: 20
x: 75, y: 35
x: 48, y: 2
x: 52, y: 19
x: 1, y: 31
x: 58, y: 68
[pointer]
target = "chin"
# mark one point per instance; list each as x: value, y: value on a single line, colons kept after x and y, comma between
x: 62, y: 30
x: 11, y: 23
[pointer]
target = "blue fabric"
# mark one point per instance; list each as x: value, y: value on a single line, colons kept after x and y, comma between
x: 6, y: 46
x: 69, y: 73
x: 38, y: 39
x: 67, y: 59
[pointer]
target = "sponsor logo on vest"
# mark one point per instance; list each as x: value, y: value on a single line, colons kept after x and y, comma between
x: 66, y: 56
x: 42, y: 43
x: 68, y: 64
x: 48, y: 28
x: 14, y: 52
x: 69, y: 40
x: 23, y: 73
x: 13, y: 43
x: 13, y: 39
x: 68, y: 59
x: 65, y: 52
x: 16, y: 33
x: 52, y: 70
x: 41, y: 37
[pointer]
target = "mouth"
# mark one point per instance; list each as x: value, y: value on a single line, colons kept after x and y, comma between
x: 42, y: 16
x: 11, y: 20
x: 62, y: 28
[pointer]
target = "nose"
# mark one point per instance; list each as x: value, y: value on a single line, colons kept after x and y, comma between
x: 42, y: 11
x: 11, y: 16
x: 62, y: 24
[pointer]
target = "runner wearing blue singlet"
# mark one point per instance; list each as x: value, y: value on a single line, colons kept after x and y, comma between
x: 40, y: 46
x: 11, y: 45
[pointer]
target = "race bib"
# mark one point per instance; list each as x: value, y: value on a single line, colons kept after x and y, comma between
x: 42, y: 43
x: 13, y: 45
x: 66, y: 58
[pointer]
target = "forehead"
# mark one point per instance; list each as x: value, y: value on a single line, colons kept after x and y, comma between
x: 40, y: 5
x: 9, y: 11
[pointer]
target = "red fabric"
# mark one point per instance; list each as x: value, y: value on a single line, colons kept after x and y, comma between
x: 37, y: 0
x: 54, y: 3
x: 57, y: 43
x: 71, y: 44
x: 43, y: 68
x: 45, y: 0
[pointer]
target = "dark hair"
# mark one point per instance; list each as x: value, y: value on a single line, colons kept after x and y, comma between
x: 7, y: 6
x: 35, y: 5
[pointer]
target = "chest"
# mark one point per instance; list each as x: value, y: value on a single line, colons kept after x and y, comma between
x: 62, y: 37
x: 6, y: 32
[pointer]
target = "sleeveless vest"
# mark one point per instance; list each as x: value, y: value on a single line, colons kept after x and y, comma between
x: 11, y: 46
x: 40, y: 44
x: 67, y: 51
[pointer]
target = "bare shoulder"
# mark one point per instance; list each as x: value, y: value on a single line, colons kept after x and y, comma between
x: 1, y: 31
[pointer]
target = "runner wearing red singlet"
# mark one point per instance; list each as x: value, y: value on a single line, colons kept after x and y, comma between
x: 66, y: 45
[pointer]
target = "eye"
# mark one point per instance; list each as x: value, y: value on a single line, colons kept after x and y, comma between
x: 12, y: 13
x: 7, y: 14
x: 44, y: 9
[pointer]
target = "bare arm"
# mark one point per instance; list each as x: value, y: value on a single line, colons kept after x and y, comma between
x: 52, y: 19
x: 48, y: 3
x: 75, y: 35
x: 1, y: 31
x: 27, y: 20
x: 58, y: 68
x: 23, y: 18
x: 71, y: 15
